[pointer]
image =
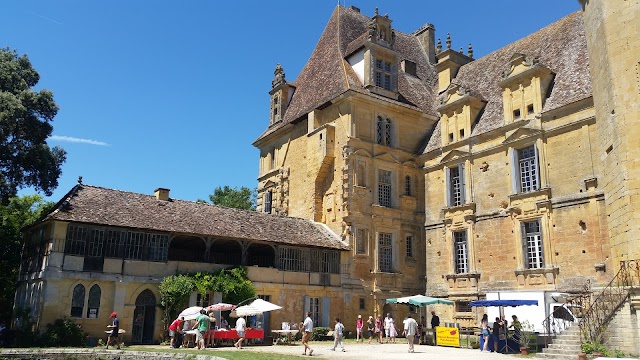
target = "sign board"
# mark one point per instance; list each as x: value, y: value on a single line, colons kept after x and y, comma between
x: 447, y: 336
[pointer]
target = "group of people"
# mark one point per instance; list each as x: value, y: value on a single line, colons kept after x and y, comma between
x: 201, y: 324
x: 499, y: 331
x: 387, y: 328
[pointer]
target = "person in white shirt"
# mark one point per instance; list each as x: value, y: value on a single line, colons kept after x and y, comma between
x: 410, y: 331
x: 307, y: 327
x: 241, y: 326
x: 388, y: 321
x: 337, y: 335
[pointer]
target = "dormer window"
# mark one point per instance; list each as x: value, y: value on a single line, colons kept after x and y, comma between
x: 383, y: 74
x: 525, y: 86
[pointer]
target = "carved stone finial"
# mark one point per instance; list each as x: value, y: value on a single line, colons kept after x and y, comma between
x: 470, y: 51
x: 460, y: 50
x: 448, y: 41
x: 278, y: 77
x: 376, y: 12
x: 373, y: 28
x: 439, y: 46
x: 80, y: 180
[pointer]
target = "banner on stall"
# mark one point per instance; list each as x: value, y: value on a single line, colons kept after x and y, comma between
x: 446, y: 336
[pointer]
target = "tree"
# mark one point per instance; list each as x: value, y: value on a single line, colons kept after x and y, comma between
x: 18, y: 213
x: 25, y: 124
x: 243, y: 198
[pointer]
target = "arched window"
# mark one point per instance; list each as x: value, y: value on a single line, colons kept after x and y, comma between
x: 93, y: 305
x: 77, y: 301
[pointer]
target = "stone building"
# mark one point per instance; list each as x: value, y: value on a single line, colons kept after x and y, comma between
x: 101, y: 250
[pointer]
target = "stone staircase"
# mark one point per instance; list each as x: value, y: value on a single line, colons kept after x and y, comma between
x: 566, y: 346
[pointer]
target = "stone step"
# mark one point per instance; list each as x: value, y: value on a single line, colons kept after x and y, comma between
x: 561, y: 351
x: 564, y: 347
x: 559, y: 357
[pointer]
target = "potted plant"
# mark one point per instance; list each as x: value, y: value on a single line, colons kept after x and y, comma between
x: 526, y: 335
x: 594, y: 348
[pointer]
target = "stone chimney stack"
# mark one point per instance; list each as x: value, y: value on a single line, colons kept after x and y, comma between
x: 426, y: 35
x: 162, y: 194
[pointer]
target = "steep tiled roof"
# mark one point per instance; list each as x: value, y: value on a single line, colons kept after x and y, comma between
x: 561, y: 47
x: 327, y: 74
x: 97, y: 205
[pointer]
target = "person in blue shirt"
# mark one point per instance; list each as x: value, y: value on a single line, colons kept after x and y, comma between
x: 115, y: 330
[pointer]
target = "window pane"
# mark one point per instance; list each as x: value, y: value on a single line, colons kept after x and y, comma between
x: 135, y: 246
x: 387, y: 137
x: 460, y: 251
x: 77, y: 301
x: 314, y: 304
x: 528, y: 169
x: 455, y: 186
x: 533, y: 245
x: 409, y: 240
x: 384, y: 188
x: 93, y: 302
x: 385, y: 252
x: 379, y: 131
x: 158, y: 247
x: 76, y: 240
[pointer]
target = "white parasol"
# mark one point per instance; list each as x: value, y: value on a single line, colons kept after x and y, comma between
x: 191, y: 312
x: 258, y: 306
x: 220, y: 307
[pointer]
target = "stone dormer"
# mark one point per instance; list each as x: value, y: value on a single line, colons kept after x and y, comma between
x: 525, y: 86
x: 281, y: 93
x: 449, y: 62
x: 459, y: 111
x: 379, y: 58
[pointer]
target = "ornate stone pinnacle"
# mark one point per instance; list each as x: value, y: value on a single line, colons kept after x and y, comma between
x: 439, y: 46
x: 278, y: 77
x: 376, y: 13
x: 470, y: 51
x: 448, y: 41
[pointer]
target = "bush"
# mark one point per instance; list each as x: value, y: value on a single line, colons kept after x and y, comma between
x: 63, y: 333
x: 590, y: 347
x: 319, y: 333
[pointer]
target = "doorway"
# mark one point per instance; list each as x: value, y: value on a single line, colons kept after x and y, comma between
x: 144, y: 318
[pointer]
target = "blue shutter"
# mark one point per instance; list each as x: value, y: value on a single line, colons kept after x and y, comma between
x: 463, y: 198
x: 325, y: 311
x: 447, y: 173
x: 307, y: 307
x: 537, y: 166
x: 515, y: 172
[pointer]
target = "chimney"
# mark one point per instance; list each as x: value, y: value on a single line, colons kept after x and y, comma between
x: 426, y: 35
x: 162, y: 194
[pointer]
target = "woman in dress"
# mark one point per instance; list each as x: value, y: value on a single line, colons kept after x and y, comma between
x: 359, y: 325
x: 393, y: 332
x: 371, y: 328
x: 484, y: 329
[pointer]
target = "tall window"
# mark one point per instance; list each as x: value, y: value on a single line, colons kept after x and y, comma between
x: 77, y: 301
x: 314, y: 308
x: 93, y: 304
x: 361, y: 178
x: 455, y: 185
x: 461, y: 254
x: 383, y: 74
x: 267, y: 201
x: 203, y: 301
x: 525, y: 169
x: 532, y: 244
x: 135, y: 248
x: 407, y: 185
x: 384, y: 131
x: 361, y: 241
x: 158, y: 247
x: 384, y: 188
x: 409, y: 244
x: 385, y: 252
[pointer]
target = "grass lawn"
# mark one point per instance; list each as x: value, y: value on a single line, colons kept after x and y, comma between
x: 227, y: 354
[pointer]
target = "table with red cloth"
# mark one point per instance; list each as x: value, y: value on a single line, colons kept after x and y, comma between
x: 232, y: 334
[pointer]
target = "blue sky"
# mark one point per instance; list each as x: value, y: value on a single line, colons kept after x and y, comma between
x: 172, y: 93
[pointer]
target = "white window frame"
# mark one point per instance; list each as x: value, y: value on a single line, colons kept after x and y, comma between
x: 460, y: 251
x: 532, y: 244
x: 314, y: 309
x: 525, y: 170
x: 383, y: 74
x: 455, y: 181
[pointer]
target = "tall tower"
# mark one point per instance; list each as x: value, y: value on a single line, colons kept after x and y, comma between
x: 614, y: 59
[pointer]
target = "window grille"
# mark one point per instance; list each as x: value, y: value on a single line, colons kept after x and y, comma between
x: 135, y: 246
x: 76, y: 240
x: 387, y: 133
x: 115, y: 243
x: 456, y: 189
x: 362, y: 307
x: 409, y: 244
x: 93, y: 304
x: 407, y: 185
x: 385, y: 252
x: 527, y: 161
x: 361, y: 241
x: 77, y: 301
x: 267, y: 201
x: 95, y: 243
x: 383, y: 74
x: 158, y: 247
x: 380, y: 131
x: 463, y: 306
x: 532, y: 239
x: 384, y: 188
x: 314, y: 308
x: 309, y: 260
x: 460, y: 252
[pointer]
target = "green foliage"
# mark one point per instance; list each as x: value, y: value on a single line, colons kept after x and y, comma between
x: 25, y: 117
x: 64, y: 333
x: 174, y: 293
x: 591, y: 347
x: 319, y: 333
x: 242, y: 198
x: 527, y: 334
x: 15, y: 215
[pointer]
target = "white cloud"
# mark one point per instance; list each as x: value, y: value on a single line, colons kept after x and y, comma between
x: 77, y: 140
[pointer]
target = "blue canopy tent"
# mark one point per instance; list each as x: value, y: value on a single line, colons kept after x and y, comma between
x: 507, y: 345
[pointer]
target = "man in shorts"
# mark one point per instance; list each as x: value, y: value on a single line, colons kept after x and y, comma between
x: 241, y: 327
x: 410, y: 331
x: 201, y: 326
x: 307, y: 327
x: 115, y: 330
x: 174, y: 330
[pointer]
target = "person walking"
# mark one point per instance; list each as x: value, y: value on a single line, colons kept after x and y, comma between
x: 307, y: 326
x: 387, y: 327
x: 497, y: 329
x: 337, y: 335
x: 174, y: 330
x: 115, y: 330
x: 201, y: 326
x: 410, y: 331
x: 359, y: 325
x: 241, y: 327
x: 393, y: 332
x: 379, y: 328
x: 371, y: 328
x: 484, y: 330
x: 435, y: 322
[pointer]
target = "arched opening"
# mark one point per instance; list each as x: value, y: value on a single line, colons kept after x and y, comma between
x: 226, y: 252
x: 77, y: 301
x: 187, y: 248
x: 93, y: 304
x: 144, y: 318
x: 261, y: 255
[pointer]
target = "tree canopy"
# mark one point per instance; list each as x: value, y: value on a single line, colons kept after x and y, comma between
x: 16, y: 214
x: 25, y: 124
x: 238, y: 198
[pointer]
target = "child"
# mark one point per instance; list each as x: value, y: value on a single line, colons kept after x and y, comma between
x: 337, y: 335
